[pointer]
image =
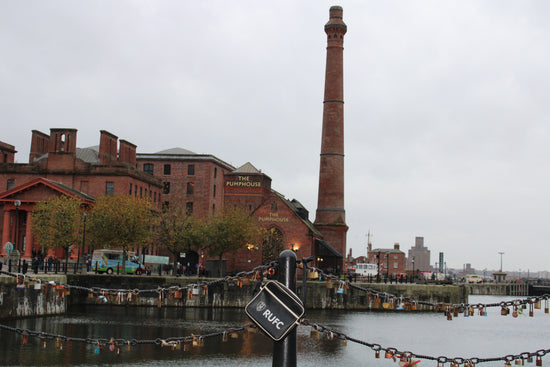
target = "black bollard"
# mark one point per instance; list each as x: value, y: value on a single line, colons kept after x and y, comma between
x: 284, y: 351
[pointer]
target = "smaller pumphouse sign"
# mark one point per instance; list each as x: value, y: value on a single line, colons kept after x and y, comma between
x: 275, y: 309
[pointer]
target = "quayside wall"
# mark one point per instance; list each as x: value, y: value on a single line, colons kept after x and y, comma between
x: 498, y: 289
x: 49, y: 298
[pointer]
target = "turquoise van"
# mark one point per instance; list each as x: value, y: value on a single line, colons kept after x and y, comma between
x: 109, y: 261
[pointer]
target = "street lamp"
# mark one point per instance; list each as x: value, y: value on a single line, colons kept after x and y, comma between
x: 501, y: 253
x: 413, y: 269
x: 378, y: 268
x: 17, y: 204
x: 85, y: 215
x: 387, y: 266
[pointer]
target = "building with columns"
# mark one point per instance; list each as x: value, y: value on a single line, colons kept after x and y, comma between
x: 57, y: 167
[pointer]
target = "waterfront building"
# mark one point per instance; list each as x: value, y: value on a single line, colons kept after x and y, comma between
x: 390, y: 261
x: 421, y: 256
x: 57, y: 167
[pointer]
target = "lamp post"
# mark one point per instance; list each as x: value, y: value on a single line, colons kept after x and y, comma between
x: 84, y: 216
x: 17, y: 204
x: 501, y: 253
x: 387, y: 266
x: 413, y: 270
x: 378, y: 268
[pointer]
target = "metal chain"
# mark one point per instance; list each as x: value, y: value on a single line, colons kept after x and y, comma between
x: 171, y: 341
x: 437, y: 306
x: 394, y: 353
x: 259, y: 271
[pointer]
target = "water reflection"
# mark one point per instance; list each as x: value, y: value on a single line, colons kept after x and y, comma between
x: 423, y: 333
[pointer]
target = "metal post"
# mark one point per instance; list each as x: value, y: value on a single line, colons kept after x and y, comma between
x: 83, y: 240
x: 304, y: 278
x: 284, y: 351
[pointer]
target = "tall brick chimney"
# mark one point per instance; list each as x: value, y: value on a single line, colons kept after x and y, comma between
x: 107, y: 148
x: 62, y: 149
x: 127, y: 152
x: 330, y: 217
x: 40, y: 143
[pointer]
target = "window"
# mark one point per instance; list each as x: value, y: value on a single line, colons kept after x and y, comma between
x: 166, y: 188
x: 149, y: 168
x: 109, y: 188
x: 167, y: 169
x: 189, y: 208
x: 395, y: 257
x: 190, y: 188
x: 155, y: 197
x: 191, y: 170
x: 84, y: 186
x: 165, y: 205
x: 130, y: 192
x: 11, y: 184
x: 141, y: 192
x: 215, y: 171
x: 395, y: 265
x: 135, y: 190
x: 214, y: 192
x: 213, y: 208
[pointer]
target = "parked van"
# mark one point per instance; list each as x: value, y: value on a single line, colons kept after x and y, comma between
x: 474, y: 278
x: 108, y: 261
x: 366, y: 269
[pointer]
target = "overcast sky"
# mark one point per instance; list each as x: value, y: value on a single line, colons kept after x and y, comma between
x: 446, y: 104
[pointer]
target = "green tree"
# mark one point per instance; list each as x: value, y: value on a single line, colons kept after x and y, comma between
x: 177, y: 231
x: 57, y: 223
x: 272, y: 245
x: 120, y: 221
x: 230, y: 231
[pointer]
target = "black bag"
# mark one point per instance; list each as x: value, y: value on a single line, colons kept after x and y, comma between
x: 275, y: 309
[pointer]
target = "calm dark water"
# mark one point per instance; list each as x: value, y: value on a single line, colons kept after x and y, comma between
x: 422, y: 333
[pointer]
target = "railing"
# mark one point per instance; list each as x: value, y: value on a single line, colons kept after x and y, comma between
x: 286, y: 353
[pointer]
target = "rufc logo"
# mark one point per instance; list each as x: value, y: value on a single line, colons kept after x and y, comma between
x: 260, y: 306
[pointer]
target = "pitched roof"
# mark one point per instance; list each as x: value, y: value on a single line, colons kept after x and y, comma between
x: 56, y: 186
x: 175, y: 151
x: 88, y: 155
x: 247, y: 168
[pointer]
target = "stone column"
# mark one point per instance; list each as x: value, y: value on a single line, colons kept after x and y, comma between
x: 28, y: 236
x: 5, y: 232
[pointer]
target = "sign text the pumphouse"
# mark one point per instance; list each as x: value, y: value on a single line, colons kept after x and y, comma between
x: 243, y: 181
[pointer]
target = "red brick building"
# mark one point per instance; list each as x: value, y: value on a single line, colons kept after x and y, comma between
x: 390, y: 261
x: 56, y: 166
x: 286, y: 221
x: 197, y: 179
